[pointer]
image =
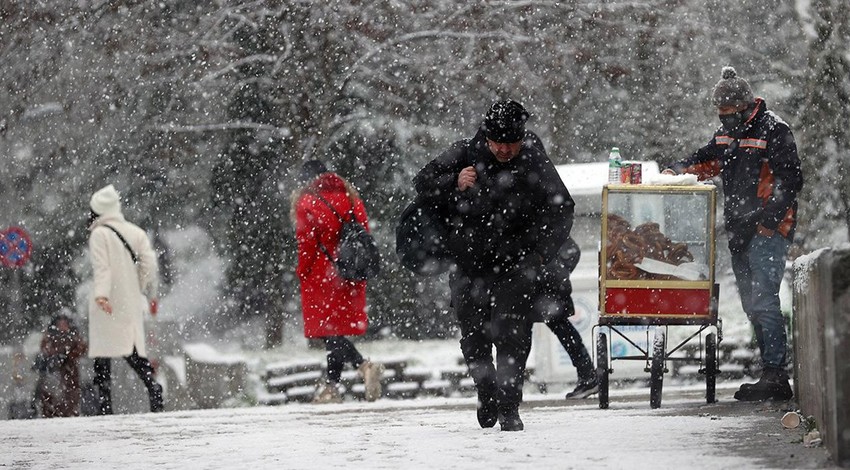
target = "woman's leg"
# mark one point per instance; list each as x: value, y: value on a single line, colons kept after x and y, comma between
x: 341, y: 351
x: 336, y: 357
x: 103, y: 382
x: 350, y: 354
x: 142, y: 367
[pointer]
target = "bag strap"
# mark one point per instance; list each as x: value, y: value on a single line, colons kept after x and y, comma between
x: 325, y: 251
x: 124, y: 241
x: 350, y: 211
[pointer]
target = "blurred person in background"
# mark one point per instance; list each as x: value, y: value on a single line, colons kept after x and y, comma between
x: 333, y: 307
x: 58, y: 365
x: 555, y: 298
x: 125, y: 286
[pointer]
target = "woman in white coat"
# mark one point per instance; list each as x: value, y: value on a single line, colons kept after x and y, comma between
x: 125, y: 285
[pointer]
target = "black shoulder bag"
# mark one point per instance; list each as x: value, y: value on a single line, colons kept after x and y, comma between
x: 358, y: 258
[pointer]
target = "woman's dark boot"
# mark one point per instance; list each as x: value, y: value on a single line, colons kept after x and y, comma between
x: 155, y: 395
x: 105, y: 399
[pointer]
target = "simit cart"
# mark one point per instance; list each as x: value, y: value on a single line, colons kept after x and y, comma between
x: 656, y: 270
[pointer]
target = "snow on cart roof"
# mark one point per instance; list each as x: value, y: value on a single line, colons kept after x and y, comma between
x: 585, y: 181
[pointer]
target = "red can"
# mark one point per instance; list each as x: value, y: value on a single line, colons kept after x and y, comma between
x: 626, y: 173
x: 636, y: 173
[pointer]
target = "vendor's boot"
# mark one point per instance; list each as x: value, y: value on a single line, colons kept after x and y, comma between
x: 773, y: 385
x: 509, y: 418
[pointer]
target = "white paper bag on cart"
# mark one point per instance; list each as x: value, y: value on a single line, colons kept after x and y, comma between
x: 686, y: 271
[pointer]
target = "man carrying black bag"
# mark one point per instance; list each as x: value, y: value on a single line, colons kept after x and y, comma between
x: 421, y: 237
x: 508, y: 213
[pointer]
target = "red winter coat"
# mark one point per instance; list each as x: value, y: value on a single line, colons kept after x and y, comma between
x: 331, y: 305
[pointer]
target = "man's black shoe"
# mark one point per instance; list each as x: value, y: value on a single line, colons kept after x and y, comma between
x: 488, y: 411
x: 509, y: 418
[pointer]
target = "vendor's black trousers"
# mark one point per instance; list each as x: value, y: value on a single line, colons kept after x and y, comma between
x: 340, y: 351
x: 495, y: 311
x: 142, y: 367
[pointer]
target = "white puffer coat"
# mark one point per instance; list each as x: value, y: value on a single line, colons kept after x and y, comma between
x: 128, y: 287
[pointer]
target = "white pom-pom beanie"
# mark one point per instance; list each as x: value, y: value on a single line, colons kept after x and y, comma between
x: 106, y: 201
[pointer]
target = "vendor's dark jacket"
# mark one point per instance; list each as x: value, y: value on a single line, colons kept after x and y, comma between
x: 761, y: 175
x: 518, y: 213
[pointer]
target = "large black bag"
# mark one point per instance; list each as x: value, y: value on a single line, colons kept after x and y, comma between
x: 554, y: 277
x: 421, y: 238
x: 553, y: 287
x: 357, y: 257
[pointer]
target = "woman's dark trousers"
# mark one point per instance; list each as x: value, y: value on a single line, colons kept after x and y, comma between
x: 142, y: 367
x: 340, y: 351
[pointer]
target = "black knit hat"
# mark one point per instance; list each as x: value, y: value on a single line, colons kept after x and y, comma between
x: 311, y: 169
x: 731, y: 90
x: 505, y: 122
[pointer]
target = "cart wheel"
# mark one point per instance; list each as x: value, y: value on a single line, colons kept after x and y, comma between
x: 602, y: 369
x: 710, y: 367
x: 656, y: 377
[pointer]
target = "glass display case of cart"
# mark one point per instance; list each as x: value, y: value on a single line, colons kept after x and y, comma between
x: 657, y: 254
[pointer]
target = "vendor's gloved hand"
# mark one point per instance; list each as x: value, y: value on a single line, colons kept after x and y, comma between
x: 764, y: 231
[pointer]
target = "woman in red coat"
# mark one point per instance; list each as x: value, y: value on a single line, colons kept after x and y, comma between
x: 333, y: 307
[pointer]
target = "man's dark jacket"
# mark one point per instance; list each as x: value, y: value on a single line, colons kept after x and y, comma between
x: 517, y: 214
x: 761, y: 174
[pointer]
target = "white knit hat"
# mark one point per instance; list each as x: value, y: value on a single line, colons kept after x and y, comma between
x: 106, y: 201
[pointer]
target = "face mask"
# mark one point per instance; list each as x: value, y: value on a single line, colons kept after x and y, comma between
x: 731, y: 121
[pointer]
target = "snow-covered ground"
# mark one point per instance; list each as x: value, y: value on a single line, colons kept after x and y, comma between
x: 428, y: 433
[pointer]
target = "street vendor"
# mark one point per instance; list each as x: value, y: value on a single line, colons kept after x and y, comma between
x: 755, y: 155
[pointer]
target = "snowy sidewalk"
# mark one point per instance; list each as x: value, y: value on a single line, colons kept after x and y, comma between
x: 428, y: 433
